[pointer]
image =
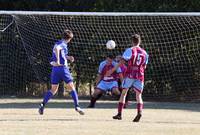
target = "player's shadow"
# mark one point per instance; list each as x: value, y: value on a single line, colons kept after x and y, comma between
x: 27, y: 119
x: 57, y: 104
x: 101, y: 104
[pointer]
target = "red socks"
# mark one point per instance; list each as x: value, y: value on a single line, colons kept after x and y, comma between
x: 139, y: 108
x: 120, y: 107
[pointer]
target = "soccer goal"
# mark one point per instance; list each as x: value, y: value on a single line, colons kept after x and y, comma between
x: 171, y: 39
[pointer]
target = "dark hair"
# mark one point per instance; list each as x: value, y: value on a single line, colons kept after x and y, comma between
x: 136, y: 38
x: 67, y: 34
x: 111, y: 56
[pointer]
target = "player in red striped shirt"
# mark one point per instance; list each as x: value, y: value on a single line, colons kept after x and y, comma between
x: 137, y: 59
x: 106, y: 83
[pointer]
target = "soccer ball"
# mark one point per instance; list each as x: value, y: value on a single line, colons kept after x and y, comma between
x: 110, y: 44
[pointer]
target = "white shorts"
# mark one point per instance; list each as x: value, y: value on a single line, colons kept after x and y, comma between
x: 136, y: 84
x: 107, y: 86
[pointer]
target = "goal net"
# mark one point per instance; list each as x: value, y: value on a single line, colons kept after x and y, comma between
x: 171, y: 39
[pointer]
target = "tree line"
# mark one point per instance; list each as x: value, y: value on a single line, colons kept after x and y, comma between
x: 103, y: 5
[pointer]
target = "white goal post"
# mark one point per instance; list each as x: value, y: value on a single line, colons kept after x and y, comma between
x: 101, y: 13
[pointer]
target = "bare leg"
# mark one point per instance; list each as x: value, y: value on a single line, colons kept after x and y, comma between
x: 116, y: 92
x: 95, y: 96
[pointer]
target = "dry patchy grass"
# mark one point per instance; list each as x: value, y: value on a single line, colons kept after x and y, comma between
x: 20, y: 117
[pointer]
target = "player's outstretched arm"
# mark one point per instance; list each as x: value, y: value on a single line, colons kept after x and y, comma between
x: 121, y: 77
x: 108, y: 73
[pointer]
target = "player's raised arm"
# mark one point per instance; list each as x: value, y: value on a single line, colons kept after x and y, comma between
x: 121, y: 77
x: 108, y: 73
x: 126, y: 56
x: 146, y: 61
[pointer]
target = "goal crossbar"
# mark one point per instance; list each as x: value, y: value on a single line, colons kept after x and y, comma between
x: 102, y: 13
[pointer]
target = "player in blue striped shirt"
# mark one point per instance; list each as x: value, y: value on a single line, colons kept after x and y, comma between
x: 60, y: 72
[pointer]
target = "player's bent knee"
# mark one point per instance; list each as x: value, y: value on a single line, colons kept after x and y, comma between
x: 124, y: 91
x: 54, y: 88
x: 116, y: 92
x: 70, y: 86
x: 96, y: 93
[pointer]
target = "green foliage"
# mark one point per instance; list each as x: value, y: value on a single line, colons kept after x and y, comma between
x: 103, y: 5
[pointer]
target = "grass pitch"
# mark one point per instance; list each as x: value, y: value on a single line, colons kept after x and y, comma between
x: 20, y: 117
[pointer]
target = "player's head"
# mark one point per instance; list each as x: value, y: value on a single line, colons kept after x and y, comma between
x: 67, y: 35
x: 118, y: 58
x: 109, y: 59
x: 136, y: 39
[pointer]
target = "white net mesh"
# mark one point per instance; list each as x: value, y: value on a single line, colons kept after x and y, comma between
x: 173, y: 43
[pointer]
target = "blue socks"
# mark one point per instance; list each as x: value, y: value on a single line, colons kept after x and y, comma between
x: 74, y: 97
x: 47, y: 96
